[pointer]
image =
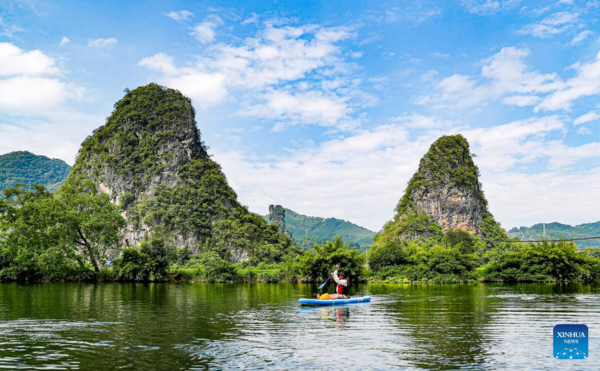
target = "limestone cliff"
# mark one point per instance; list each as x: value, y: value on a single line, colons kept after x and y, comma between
x: 446, y: 187
x: 277, y: 217
x: 150, y: 160
x: 444, y: 191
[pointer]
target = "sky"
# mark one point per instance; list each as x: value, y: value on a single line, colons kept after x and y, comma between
x: 326, y: 107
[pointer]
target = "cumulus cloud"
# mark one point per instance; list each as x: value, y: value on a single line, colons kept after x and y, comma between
x: 297, y: 74
x: 30, y: 83
x: 205, y: 31
x: 312, y: 107
x: 101, y: 43
x: 180, y: 15
x: 502, y: 74
x: 15, y: 61
x: 36, y: 104
x: 506, y: 77
x: 586, y: 82
x: 205, y: 89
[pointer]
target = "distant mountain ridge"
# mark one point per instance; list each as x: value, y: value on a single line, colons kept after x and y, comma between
x: 26, y: 167
x: 558, y: 230
x: 309, y: 230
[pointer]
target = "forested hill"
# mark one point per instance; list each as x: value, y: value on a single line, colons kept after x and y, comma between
x: 25, y: 167
x: 309, y: 230
x: 558, y: 230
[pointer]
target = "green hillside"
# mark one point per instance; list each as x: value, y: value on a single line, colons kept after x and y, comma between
x: 309, y: 230
x: 25, y: 167
x: 558, y: 230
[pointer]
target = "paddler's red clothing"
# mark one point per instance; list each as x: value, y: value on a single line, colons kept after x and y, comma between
x: 342, y: 284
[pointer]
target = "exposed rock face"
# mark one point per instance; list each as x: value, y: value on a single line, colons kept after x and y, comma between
x: 150, y: 160
x: 446, y: 187
x: 277, y: 217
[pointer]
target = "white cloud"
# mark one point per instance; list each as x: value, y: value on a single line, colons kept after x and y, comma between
x: 554, y: 24
x: 410, y: 14
x: 253, y: 19
x: 485, y: 7
x: 32, y: 93
x: 101, y: 43
x: 15, y: 61
x: 205, y: 32
x: 580, y: 37
x: 586, y: 82
x: 521, y: 100
x: 297, y: 74
x: 9, y: 30
x: 29, y: 82
x: 503, y: 73
x: 64, y: 41
x: 205, y: 89
x: 303, y: 108
x: 506, y: 77
x: 180, y: 15
x: 583, y: 130
x: 588, y: 117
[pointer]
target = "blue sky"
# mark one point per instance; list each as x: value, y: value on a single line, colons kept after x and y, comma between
x: 326, y: 107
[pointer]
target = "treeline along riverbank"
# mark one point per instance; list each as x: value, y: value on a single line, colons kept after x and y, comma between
x: 145, y: 202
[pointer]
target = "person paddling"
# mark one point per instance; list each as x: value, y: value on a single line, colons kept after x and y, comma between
x: 341, y: 288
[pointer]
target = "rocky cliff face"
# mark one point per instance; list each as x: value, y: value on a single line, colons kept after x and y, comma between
x: 277, y: 217
x: 446, y: 187
x: 149, y: 159
x: 444, y: 194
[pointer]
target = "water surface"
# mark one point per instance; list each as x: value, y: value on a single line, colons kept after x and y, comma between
x: 228, y: 326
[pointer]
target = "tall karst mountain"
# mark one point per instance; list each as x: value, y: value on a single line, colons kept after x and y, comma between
x: 150, y: 160
x: 446, y: 192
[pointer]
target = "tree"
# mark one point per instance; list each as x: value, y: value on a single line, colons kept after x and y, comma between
x: 32, y: 245
x: 51, y: 237
x: 92, y: 222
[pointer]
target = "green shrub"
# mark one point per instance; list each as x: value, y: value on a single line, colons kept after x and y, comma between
x: 317, y: 265
x: 390, y: 254
x: 547, y: 261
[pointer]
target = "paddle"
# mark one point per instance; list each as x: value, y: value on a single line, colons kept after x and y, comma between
x: 324, y: 283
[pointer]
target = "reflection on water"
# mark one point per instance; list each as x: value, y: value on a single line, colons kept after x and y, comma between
x: 220, y: 326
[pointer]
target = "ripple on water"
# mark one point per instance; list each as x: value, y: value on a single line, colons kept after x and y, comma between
x: 261, y: 326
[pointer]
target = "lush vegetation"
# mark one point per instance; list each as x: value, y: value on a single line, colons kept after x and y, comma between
x: 309, y: 230
x: 64, y: 236
x: 150, y: 157
x: 27, y: 168
x: 558, y: 230
x: 458, y: 256
x: 73, y: 235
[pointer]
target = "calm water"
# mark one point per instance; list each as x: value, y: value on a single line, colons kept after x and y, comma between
x: 200, y: 326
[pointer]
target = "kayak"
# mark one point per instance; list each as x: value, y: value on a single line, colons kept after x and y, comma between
x: 362, y: 299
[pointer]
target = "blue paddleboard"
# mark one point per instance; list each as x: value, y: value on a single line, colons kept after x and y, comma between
x: 362, y: 299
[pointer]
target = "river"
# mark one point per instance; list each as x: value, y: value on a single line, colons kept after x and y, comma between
x: 228, y: 326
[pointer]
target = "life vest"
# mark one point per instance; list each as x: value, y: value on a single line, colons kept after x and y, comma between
x: 341, y: 289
